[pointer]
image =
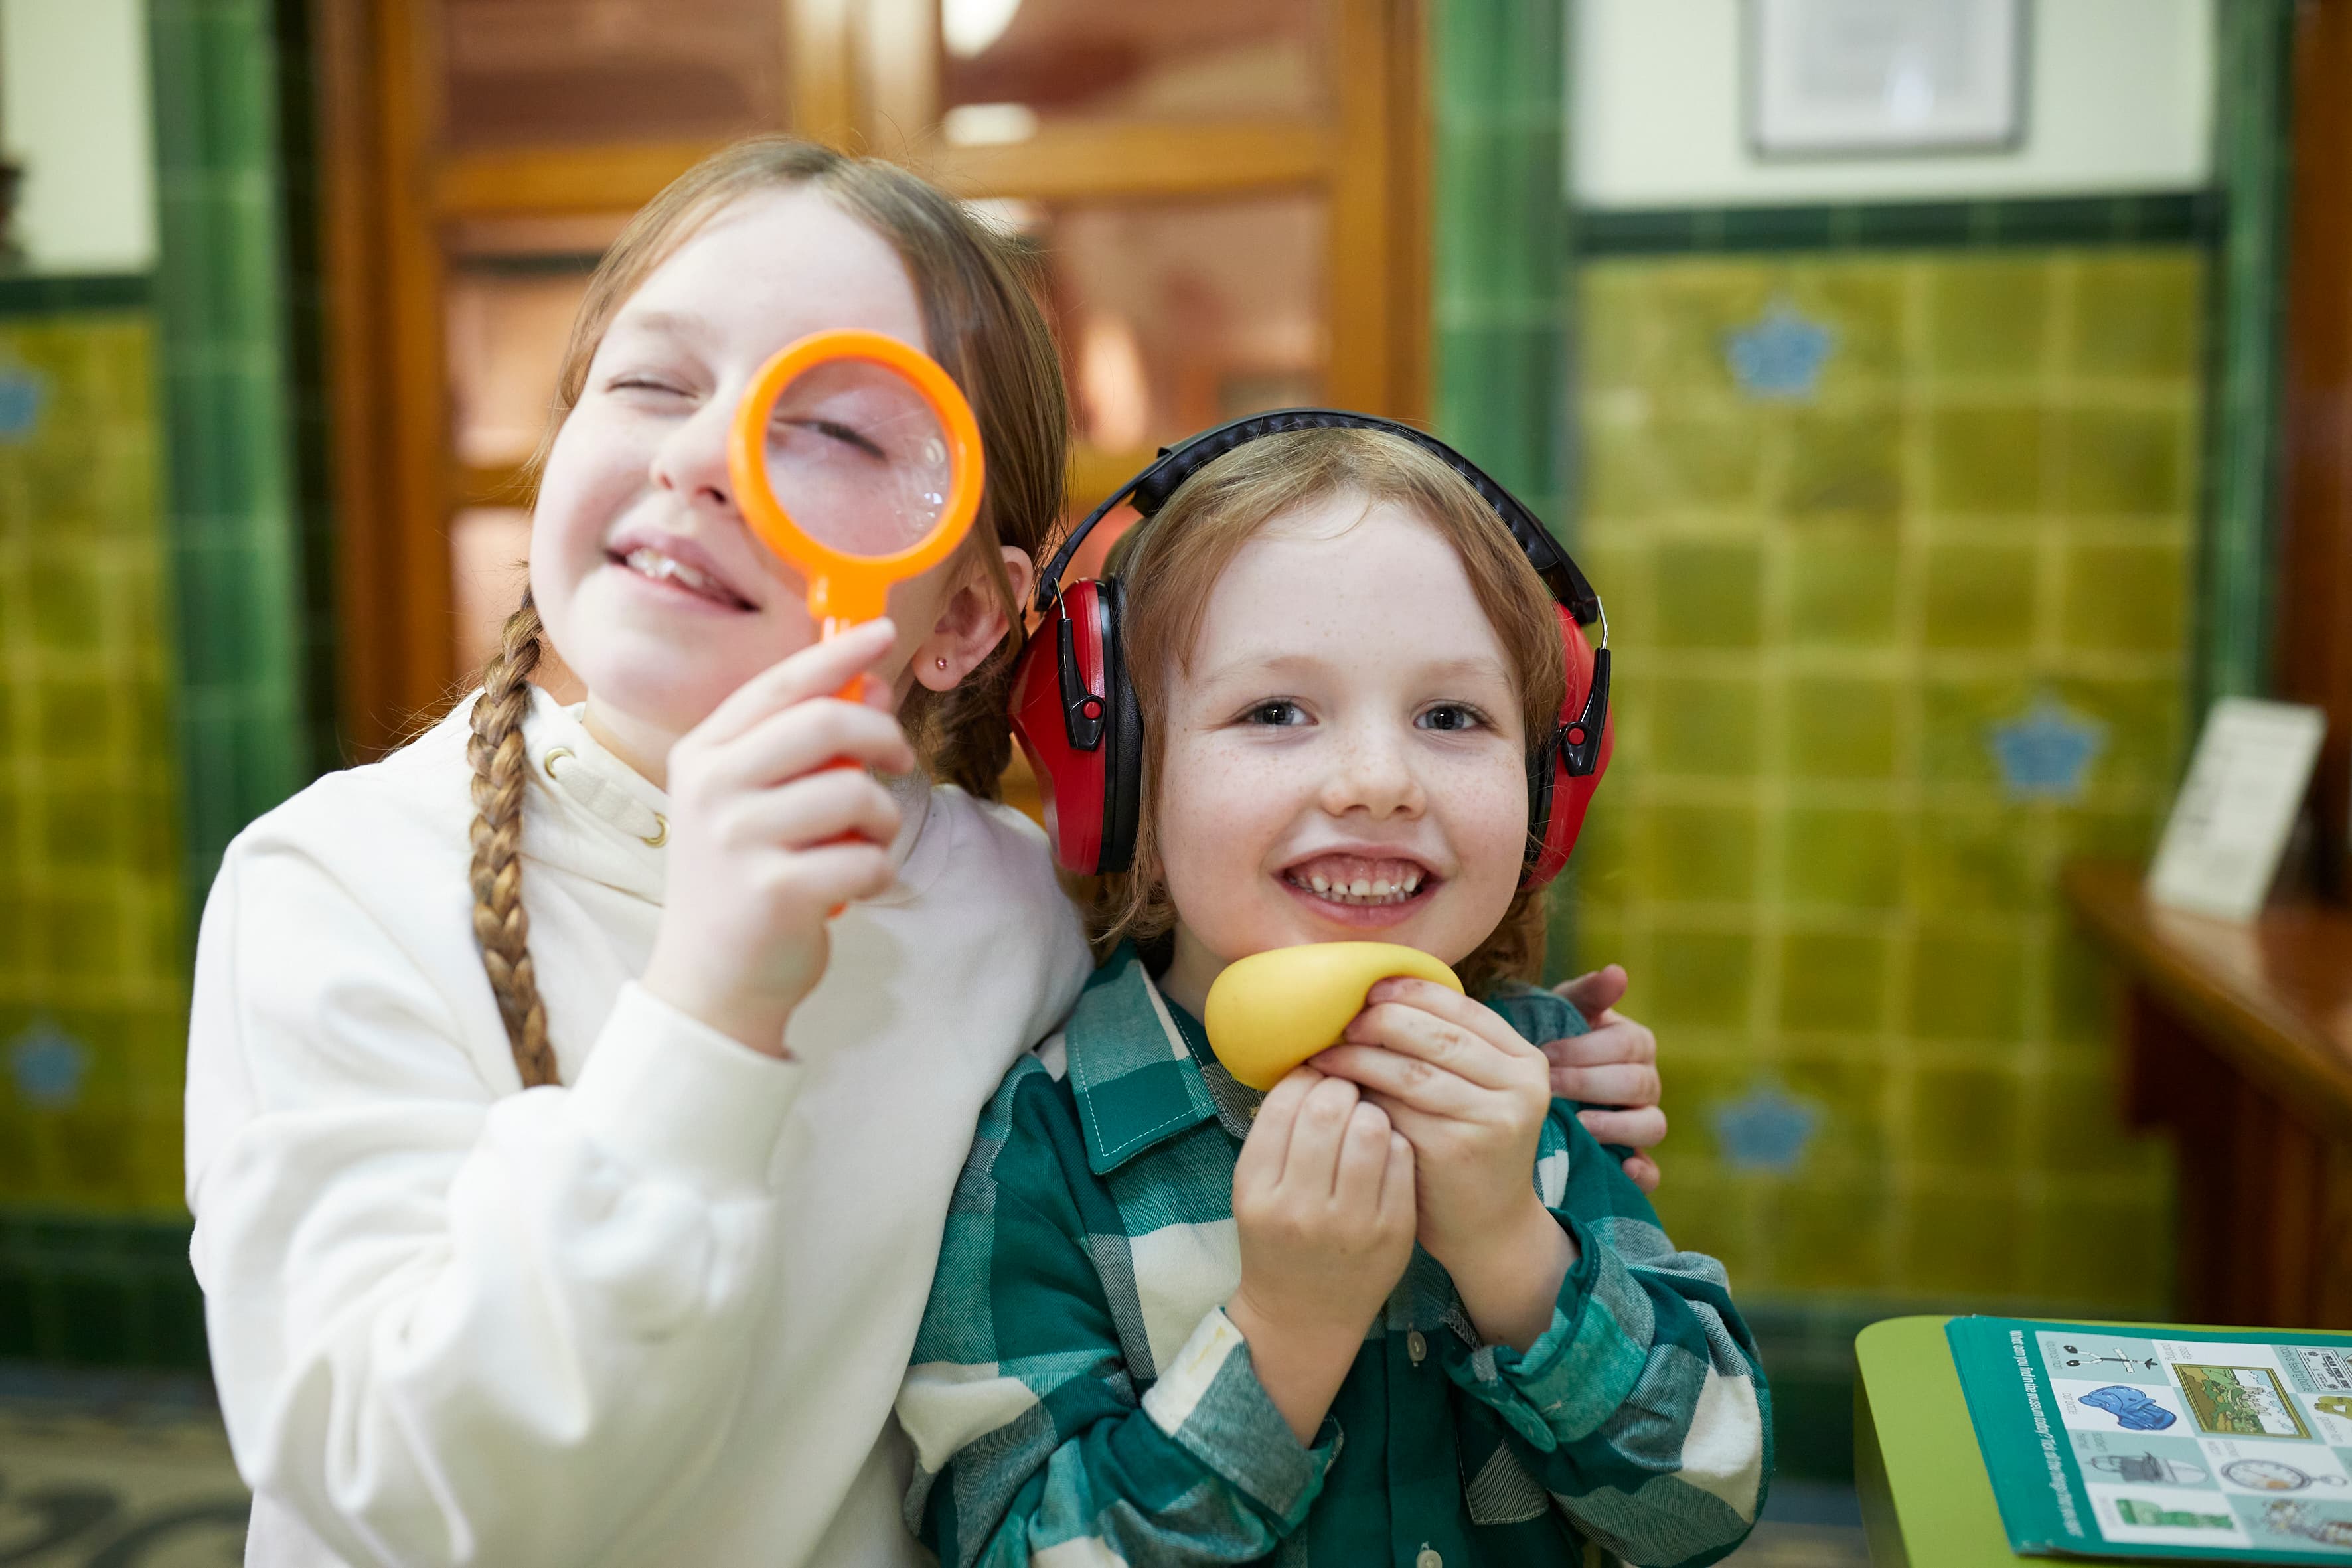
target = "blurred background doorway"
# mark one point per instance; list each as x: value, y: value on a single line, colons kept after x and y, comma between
x: 1226, y: 197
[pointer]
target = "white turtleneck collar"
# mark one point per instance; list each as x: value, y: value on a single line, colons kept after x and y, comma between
x: 593, y: 813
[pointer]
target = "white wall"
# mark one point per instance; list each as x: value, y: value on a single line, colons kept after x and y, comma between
x: 73, y: 111
x: 2121, y: 99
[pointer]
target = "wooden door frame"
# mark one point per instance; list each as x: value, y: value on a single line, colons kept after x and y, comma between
x: 389, y: 194
x: 2312, y: 647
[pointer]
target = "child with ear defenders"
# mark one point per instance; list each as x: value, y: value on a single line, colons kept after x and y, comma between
x: 1402, y: 1308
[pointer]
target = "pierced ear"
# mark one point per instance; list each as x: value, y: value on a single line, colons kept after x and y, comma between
x: 971, y: 624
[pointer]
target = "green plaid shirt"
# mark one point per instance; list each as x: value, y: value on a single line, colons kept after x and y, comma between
x: 1079, y: 1397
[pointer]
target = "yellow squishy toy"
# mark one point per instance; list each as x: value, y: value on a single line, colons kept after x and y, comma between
x: 1269, y: 1012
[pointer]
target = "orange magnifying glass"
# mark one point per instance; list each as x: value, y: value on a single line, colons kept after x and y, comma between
x: 857, y: 459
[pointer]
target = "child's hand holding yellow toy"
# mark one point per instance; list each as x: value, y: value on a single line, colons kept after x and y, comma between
x: 1465, y: 1092
x: 1271, y: 1011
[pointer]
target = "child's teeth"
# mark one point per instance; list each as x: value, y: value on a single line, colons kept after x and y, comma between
x: 1361, y: 888
x: 1412, y: 883
x: 1380, y: 889
x: 1319, y: 882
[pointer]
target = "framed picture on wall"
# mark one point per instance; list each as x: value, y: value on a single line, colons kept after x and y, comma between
x: 1853, y: 78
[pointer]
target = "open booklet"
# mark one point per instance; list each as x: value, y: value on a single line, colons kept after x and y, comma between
x: 2187, y: 1445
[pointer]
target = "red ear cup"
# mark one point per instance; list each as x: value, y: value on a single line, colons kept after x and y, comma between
x: 1073, y: 715
x: 1558, y: 792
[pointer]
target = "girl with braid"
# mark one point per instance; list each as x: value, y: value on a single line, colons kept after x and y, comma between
x: 568, y: 1179
x: 616, y: 1257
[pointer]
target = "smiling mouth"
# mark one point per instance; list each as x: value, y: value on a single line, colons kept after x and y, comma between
x: 1356, y: 881
x: 655, y: 566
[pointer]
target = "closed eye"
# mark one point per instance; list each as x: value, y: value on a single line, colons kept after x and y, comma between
x: 832, y: 430
x: 643, y: 384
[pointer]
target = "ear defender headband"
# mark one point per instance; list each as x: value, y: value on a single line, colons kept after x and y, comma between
x: 1074, y: 710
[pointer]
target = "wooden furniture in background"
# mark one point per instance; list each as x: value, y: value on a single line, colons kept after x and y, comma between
x: 2313, y: 650
x: 477, y: 155
x: 2237, y: 1040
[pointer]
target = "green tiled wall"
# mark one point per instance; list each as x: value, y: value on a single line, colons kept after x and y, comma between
x: 163, y: 683
x: 1887, y: 1059
x: 93, y: 988
x: 2254, y: 147
x: 253, y: 723
x: 1498, y: 232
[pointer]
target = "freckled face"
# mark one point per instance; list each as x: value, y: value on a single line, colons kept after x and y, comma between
x: 651, y: 586
x: 1344, y: 759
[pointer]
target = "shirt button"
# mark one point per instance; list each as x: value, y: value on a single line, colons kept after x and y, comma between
x: 1416, y: 1347
x: 1429, y: 1559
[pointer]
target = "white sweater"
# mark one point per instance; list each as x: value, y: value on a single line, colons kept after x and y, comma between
x: 658, y: 1315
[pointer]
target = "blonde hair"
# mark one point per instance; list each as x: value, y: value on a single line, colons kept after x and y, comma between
x: 979, y: 294
x: 1171, y: 566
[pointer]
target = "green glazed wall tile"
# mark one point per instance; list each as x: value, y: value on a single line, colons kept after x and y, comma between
x: 1965, y: 1116
x: 1988, y: 317
x: 1846, y: 465
x: 1976, y: 859
x: 1964, y: 985
x: 1841, y: 729
x: 1675, y: 464
x: 1864, y: 308
x: 2136, y: 316
x: 2124, y: 598
x: 2122, y: 461
x: 1694, y: 310
x: 1699, y: 854
x: 1957, y: 715
x: 1832, y: 1238
x: 1847, y: 858
x: 2141, y: 720
x: 1833, y: 981
x: 1850, y: 1089
x: 1843, y: 591
x: 1978, y: 597
x: 1704, y: 726
x: 1714, y: 601
x: 1700, y: 979
x: 1985, y: 460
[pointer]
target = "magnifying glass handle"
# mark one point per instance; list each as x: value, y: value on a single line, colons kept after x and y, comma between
x: 829, y: 629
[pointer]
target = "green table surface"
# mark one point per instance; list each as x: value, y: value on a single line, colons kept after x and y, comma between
x: 1927, y: 1501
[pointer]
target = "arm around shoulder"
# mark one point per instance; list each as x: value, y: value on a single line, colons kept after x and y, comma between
x: 449, y: 1320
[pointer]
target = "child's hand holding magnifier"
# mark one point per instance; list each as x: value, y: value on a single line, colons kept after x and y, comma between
x: 854, y: 458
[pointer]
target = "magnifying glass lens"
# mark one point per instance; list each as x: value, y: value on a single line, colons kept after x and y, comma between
x: 856, y: 457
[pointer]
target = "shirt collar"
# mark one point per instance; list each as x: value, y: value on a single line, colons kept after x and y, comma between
x: 1138, y: 1078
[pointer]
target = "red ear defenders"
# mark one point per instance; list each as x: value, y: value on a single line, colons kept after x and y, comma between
x: 1074, y: 711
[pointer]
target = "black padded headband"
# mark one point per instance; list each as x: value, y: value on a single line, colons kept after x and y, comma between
x: 1152, y: 487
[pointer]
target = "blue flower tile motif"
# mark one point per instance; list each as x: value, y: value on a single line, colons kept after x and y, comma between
x: 1765, y: 1130
x: 47, y: 1064
x: 23, y: 395
x: 2046, y: 753
x: 1779, y: 358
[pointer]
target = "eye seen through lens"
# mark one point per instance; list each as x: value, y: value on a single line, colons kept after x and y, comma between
x: 856, y: 457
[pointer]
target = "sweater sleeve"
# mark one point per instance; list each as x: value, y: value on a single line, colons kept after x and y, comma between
x: 1643, y: 1408
x: 1031, y: 1441
x: 449, y: 1322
